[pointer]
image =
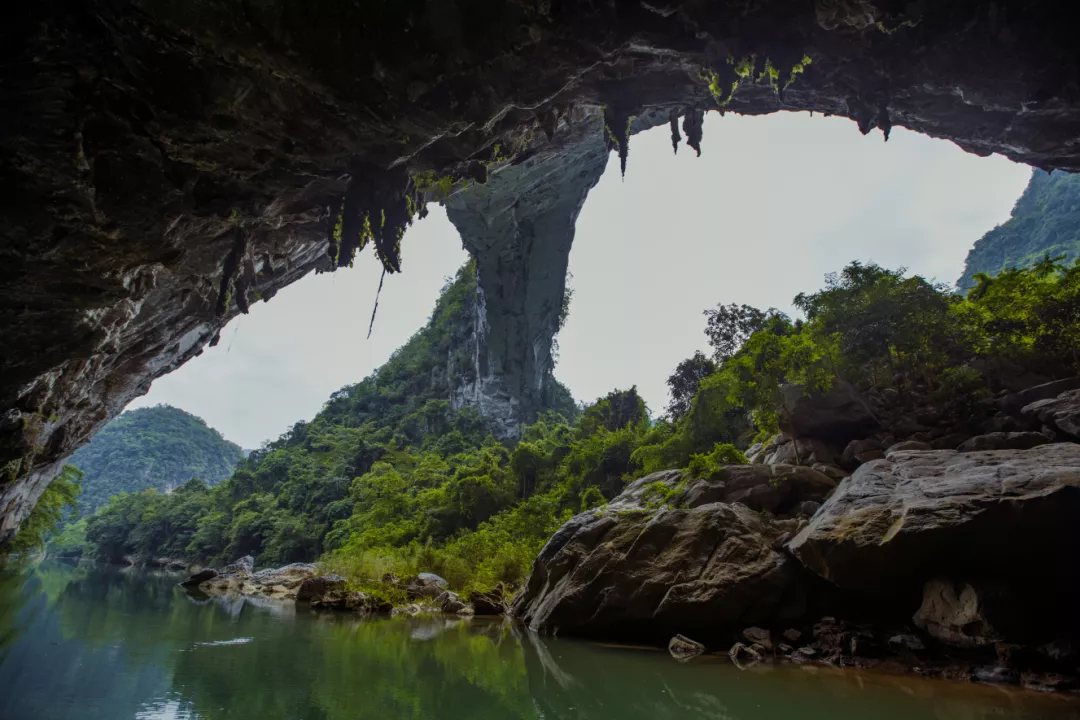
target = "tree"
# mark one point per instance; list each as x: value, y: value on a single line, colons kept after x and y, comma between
x: 61, y: 494
x: 685, y: 381
x: 729, y: 326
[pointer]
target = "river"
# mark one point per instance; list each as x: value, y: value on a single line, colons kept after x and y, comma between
x: 92, y: 642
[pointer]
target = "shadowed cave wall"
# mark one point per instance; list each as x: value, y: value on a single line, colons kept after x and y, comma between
x: 163, y: 165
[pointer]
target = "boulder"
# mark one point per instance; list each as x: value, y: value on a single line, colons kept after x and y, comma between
x: 858, y: 452
x: 907, y: 445
x: 758, y: 636
x: 773, y: 488
x: 831, y: 471
x: 697, y: 564
x: 1014, y: 403
x: 288, y: 576
x: 342, y: 600
x: 426, y: 585
x: 683, y: 648
x: 1005, y: 515
x: 1003, y: 441
x: 953, y: 614
x: 315, y: 588
x: 200, y: 577
x: 839, y: 414
x: 950, y: 441
x: 804, y: 451
x: 1061, y: 413
x: 741, y: 654
x: 492, y: 602
x: 241, y: 566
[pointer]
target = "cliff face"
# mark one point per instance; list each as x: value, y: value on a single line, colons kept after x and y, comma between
x: 163, y: 165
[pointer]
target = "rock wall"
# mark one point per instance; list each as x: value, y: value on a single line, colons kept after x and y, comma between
x: 163, y: 164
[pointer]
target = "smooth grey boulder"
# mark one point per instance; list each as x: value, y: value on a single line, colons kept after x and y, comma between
x: 695, y: 565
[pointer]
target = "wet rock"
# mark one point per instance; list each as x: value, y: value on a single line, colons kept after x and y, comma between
x: 741, y: 654
x: 839, y: 414
x: 996, y: 675
x: 683, y: 648
x: 317, y: 587
x: 758, y: 636
x: 807, y: 508
x: 1004, y: 441
x: 792, y: 635
x: 1061, y: 413
x: 450, y: 603
x: 952, y: 613
x: 696, y: 564
x: 342, y: 601
x: 241, y: 566
x: 200, y: 577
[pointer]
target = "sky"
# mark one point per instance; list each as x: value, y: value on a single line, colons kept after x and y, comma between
x: 772, y: 205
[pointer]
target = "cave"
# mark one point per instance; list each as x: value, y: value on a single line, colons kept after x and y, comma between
x: 164, y: 165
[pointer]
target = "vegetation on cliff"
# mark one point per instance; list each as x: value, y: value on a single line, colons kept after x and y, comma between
x: 159, y: 447
x: 1045, y: 222
x: 390, y: 478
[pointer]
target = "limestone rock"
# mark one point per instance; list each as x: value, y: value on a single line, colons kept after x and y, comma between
x: 426, y: 585
x: 683, y: 648
x: 1014, y: 403
x: 831, y: 471
x: 1061, y: 413
x: 315, y: 588
x: 241, y: 566
x: 698, y: 565
x: 741, y: 654
x: 860, y: 451
x: 1004, y: 441
x: 492, y: 602
x: 907, y: 445
x: 952, y: 614
x: 1008, y: 515
x: 758, y: 636
x: 839, y: 414
x: 287, y: 576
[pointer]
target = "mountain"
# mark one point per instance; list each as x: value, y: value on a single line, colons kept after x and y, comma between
x: 1046, y: 219
x: 157, y: 447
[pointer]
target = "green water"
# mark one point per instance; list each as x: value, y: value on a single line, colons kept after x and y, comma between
x: 92, y: 642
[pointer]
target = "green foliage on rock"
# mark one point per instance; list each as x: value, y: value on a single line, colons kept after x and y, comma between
x: 59, y: 497
x: 1045, y: 222
x: 159, y: 447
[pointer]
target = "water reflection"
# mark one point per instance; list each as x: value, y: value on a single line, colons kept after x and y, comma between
x: 100, y: 643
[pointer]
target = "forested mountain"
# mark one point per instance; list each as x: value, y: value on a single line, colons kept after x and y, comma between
x: 1045, y: 220
x: 390, y: 478
x: 159, y: 447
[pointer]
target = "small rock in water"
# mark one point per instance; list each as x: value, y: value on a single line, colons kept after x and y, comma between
x: 683, y: 648
x: 741, y: 654
x: 758, y: 636
x: 906, y: 642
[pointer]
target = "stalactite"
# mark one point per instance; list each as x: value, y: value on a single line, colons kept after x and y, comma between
x: 232, y: 265
x: 333, y: 231
x: 884, y: 121
x: 375, y: 309
x: 693, y: 126
x: 673, y: 120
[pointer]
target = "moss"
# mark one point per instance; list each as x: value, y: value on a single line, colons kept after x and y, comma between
x: 797, y: 69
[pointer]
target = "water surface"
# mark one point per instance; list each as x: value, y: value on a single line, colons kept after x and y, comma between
x: 94, y: 642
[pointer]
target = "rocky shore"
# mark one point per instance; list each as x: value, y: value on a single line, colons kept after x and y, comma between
x: 929, y: 550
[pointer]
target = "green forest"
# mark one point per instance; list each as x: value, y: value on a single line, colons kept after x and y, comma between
x: 1045, y: 222
x: 389, y: 478
x: 158, y: 447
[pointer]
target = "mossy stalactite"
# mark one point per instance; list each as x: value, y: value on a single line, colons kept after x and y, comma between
x: 229, y: 272
x: 377, y: 207
x: 676, y: 138
x: 617, y: 133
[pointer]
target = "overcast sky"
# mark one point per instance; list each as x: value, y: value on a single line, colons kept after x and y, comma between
x: 772, y: 205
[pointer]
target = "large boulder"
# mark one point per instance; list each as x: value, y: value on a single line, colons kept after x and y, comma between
x: 1061, y: 413
x: 1015, y: 402
x: 426, y: 585
x: 315, y: 588
x: 840, y: 414
x: 693, y: 565
x: 1005, y: 517
x: 491, y: 602
x: 200, y: 577
x: 287, y: 576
